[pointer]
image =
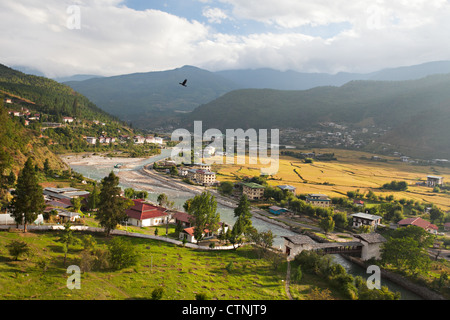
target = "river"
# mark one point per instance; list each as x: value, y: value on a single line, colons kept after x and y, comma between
x: 100, y: 170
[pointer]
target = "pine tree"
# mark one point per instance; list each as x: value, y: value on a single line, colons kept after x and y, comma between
x: 243, y: 215
x: 112, y: 206
x: 28, y: 201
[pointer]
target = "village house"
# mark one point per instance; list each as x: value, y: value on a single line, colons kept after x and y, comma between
x: 188, y: 233
x: 201, y: 166
x: 139, y: 140
x: 202, y: 177
x: 146, y: 215
x: 319, y: 200
x: 182, y: 218
x: 91, y: 140
x: 65, y: 216
x: 365, y: 219
x: 433, y: 181
x: 65, y: 193
x: 67, y: 119
x: 277, y: 210
x: 447, y: 226
x: 358, y: 203
x: 287, y: 188
x: 253, y: 191
x: 183, y: 171
x: 418, y: 222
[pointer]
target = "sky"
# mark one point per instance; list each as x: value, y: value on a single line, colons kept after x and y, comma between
x: 111, y: 37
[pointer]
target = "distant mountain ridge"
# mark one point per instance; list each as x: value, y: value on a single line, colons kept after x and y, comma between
x: 416, y: 112
x: 148, y: 99
x: 140, y: 96
x: 292, y: 80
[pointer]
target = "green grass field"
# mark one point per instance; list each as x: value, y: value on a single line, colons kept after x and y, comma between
x: 182, y: 272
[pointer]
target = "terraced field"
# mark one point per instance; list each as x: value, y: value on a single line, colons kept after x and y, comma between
x: 348, y: 173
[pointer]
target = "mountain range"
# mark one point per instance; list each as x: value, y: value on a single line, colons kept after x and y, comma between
x: 148, y: 99
x: 411, y: 103
x: 149, y: 96
x: 414, y: 113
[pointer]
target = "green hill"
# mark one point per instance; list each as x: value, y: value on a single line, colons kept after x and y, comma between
x: 146, y: 97
x: 415, y: 113
x: 49, y: 96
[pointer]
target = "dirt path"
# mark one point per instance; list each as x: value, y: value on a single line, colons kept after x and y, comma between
x: 288, y: 281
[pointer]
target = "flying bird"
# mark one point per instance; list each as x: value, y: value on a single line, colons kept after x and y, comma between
x: 184, y: 83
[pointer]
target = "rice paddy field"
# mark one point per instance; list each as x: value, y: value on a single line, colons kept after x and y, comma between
x: 348, y: 173
x: 182, y: 272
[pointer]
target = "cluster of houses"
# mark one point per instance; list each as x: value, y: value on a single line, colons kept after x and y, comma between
x: 24, y: 113
x: 144, y: 214
x: 199, y: 173
x: 60, y: 200
x: 124, y: 138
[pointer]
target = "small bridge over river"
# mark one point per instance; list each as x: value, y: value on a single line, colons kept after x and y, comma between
x: 367, y: 247
x: 349, y: 248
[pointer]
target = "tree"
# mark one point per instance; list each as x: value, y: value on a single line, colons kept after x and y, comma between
x: 122, y: 253
x: 112, y: 206
x: 203, y: 213
x: 406, y: 250
x: 174, y: 171
x: 76, y: 203
x: 243, y: 215
x: 226, y: 187
x: 93, y: 199
x: 340, y: 219
x: 46, y: 166
x: 129, y: 193
x: 67, y: 239
x: 17, y: 248
x: 162, y: 199
x: 28, y: 201
x: 11, y: 178
x: 436, y: 214
x: 327, y: 224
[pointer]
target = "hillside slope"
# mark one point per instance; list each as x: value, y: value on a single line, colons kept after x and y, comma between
x: 49, y: 96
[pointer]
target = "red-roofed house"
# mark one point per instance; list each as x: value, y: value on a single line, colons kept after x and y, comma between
x: 183, y: 218
x: 146, y: 215
x: 418, y: 222
x: 188, y: 233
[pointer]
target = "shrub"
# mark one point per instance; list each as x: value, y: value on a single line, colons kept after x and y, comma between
x: 122, y: 254
x: 157, y: 293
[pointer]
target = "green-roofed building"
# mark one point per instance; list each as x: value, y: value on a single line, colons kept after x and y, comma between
x: 253, y: 191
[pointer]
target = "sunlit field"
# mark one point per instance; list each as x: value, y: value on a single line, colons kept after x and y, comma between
x: 348, y: 173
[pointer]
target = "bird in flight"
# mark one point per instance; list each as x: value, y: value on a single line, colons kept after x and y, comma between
x: 184, y: 83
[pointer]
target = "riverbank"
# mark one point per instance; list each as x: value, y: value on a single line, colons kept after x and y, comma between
x: 91, y: 159
x: 423, y: 292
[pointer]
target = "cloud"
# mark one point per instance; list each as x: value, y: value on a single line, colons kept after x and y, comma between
x: 115, y: 39
x: 214, y: 15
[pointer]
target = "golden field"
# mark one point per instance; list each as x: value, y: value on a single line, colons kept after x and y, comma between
x: 348, y: 173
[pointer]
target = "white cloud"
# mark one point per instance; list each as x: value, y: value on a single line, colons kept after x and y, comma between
x: 214, y: 15
x: 114, y: 39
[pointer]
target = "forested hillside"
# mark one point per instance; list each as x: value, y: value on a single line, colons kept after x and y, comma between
x: 143, y: 98
x: 49, y: 96
x: 415, y: 113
